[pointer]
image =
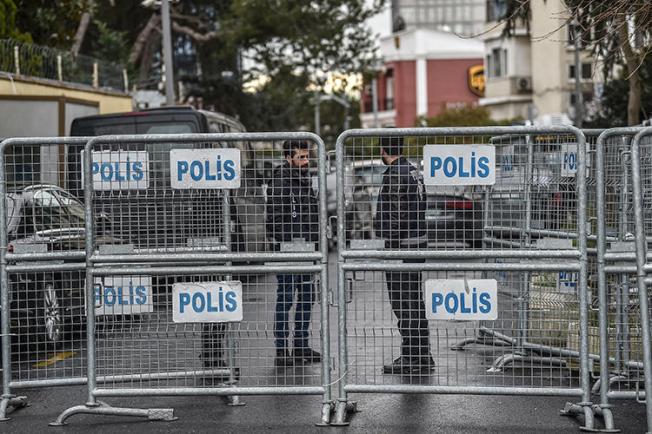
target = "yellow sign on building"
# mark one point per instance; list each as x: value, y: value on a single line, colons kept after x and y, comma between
x: 476, y: 80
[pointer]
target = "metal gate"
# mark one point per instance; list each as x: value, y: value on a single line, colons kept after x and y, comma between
x: 41, y: 268
x: 641, y: 163
x: 517, y: 232
x: 175, y: 228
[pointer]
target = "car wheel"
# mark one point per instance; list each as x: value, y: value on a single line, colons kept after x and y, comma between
x: 52, y: 323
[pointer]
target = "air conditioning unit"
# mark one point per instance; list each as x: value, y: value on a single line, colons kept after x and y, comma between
x: 523, y: 85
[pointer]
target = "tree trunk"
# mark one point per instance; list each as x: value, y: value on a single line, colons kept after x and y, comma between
x: 143, y: 38
x: 84, y: 22
x: 632, y: 61
x: 634, y: 100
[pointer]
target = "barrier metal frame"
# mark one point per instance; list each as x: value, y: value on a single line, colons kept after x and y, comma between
x: 522, y: 349
x: 8, y: 398
x: 573, y: 259
x: 610, y: 263
x: 642, y: 267
x: 109, y: 266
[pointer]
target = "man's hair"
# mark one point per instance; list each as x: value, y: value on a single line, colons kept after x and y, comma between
x: 392, y: 145
x: 289, y: 146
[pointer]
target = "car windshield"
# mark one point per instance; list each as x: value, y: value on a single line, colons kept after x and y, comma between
x: 56, y: 211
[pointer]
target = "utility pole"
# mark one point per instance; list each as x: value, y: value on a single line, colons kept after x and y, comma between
x: 579, y: 106
x: 167, y: 53
x: 330, y: 97
x: 317, y: 113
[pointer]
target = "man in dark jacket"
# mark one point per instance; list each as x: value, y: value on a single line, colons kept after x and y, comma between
x: 293, y: 215
x: 400, y: 220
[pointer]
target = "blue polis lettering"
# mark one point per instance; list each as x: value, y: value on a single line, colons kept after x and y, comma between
x: 203, y: 302
x: 111, y: 171
x: 202, y: 170
x: 455, y: 167
x: 113, y: 295
x: 459, y: 303
x: 570, y: 161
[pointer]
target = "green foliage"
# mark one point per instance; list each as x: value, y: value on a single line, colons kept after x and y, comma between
x: 110, y: 44
x: 50, y: 23
x: 464, y: 117
x: 8, y: 27
x: 612, y: 111
x: 310, y: 37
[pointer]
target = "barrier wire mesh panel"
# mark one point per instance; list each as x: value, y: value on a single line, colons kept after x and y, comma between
x: 213, y: 278
x: 641, y: 159
x: 433, y: 205
x: 44, y: 229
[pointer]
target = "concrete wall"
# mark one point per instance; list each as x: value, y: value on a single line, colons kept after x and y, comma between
x: 107, y: 101
x: 549, y: 67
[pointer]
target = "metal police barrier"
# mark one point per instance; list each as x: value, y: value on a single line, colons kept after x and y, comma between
x: 642, y: 188
x: 184, y: 305
x: 470, y: 187
x: 552, y: 172
x: 41, y: 268
x: 618, y: 337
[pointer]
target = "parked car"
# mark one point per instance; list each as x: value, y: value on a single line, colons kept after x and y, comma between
x: 453, y: 214
x: 46, y: 305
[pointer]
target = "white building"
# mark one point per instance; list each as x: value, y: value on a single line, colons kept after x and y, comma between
x: 532, y: 75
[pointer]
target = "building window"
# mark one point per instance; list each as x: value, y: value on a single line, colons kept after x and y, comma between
x: 587, y: 71
x: 496, y: 10
x: 497, y: 63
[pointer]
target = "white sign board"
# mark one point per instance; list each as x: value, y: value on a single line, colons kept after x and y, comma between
x: 207, y: 302
x: 205, y: 168
x: 123, y: 295
x: 506, y: 160
x: 567, y: 282
x: 569, y: 160
x: 119, y: 170
x: 457, y: 299
x: 459, y: 165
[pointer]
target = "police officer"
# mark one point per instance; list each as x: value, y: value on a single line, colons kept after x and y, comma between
x: 400, y: 220
x: 293, y: 214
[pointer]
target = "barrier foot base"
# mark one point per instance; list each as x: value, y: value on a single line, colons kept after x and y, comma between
x: 16, y: 402
x: 344, y: 409
x: 612, y: 380
x: 604, y: 411
x: 162, y: 414
x: 484, y: 337
x: 326, y: 413
x: 508, y: 359
x: 583, y: 408
x: 234, y: 401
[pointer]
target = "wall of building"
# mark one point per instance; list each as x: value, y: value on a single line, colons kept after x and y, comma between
x: 448, y: 84
x: 107, y: 101
x: 405, y: 91
x: 548, y: 57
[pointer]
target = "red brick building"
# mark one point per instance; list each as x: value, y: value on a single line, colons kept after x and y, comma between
x: 424, y: 72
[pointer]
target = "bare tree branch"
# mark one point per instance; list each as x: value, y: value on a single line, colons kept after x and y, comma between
x: 199, y: 37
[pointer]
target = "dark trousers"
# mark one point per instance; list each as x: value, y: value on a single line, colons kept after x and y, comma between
x: 212, y: 344
x: 407, y: 303
x: 287, y: 284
